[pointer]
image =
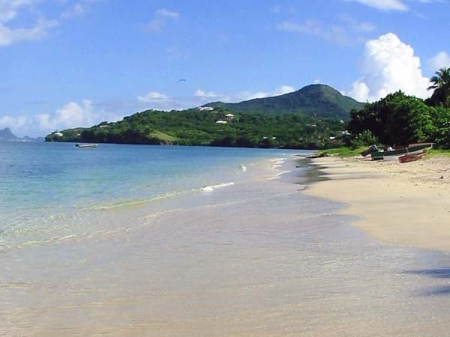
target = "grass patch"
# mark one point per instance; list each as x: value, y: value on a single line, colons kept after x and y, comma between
x: 163, y: 136
x: 343, y: 152
x: 438, y: 153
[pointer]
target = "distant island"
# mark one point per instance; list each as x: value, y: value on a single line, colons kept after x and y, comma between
x: 313, y: 117
x: 7, y: 136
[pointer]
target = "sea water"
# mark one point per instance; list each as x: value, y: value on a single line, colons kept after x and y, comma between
x: 50, y: 188
x: 192, y: 241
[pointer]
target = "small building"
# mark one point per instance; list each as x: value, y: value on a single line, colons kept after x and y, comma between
x: 221, y: 122
x: 229, y: 117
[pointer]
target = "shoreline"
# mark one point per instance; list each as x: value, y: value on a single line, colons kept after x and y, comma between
x: 405, y: 204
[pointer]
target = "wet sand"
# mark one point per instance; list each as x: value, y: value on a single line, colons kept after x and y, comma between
x: 257, y: 258
x: 406, y: 204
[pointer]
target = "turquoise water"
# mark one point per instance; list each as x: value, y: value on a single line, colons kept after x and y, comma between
x: 46, y: 187
x: 179, y: 241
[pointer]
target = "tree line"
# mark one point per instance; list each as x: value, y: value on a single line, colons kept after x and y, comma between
x: 212, y: 128
x: 399, y: 119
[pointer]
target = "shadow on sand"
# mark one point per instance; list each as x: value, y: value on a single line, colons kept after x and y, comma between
x: 439, y: 273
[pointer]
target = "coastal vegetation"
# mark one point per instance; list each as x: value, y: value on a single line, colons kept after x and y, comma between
x: 212, y: 128
x: 314, y: 117
x: 399, y: 119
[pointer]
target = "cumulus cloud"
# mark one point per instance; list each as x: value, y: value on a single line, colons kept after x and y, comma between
x: 9, y: 35
x: 14, y: 28
x: 10, y: 9
x: 159, y: 101
x: 389, y: 65
x: 203, y: 94
x: 71, y: 115
x: 153, y: 97
x: 244, y: 95
x: 441, y: 60
x: 385, y: 5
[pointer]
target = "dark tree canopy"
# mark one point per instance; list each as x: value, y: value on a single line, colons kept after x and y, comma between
x: 395, y: 120
x: 441, y: 87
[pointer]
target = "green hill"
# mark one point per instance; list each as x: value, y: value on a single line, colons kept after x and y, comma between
x: 312, y: 117
x: 317, y: 100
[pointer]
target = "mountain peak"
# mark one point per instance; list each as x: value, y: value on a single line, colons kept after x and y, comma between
x: 319, y: 100
x: 6, y: 134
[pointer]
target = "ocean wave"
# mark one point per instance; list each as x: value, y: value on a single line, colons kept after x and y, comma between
x: 277, y: 162
x: 130, y: 203
x: 211, y: 188
x: 278, y: 175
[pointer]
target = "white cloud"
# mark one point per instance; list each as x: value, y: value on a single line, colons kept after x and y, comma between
x: 158, y: 101
x: 203, y: 94
x: 153, y: 97
x: 357, y: 26
x: 244, y: 95
x: 69, y: 116
x: 385, y: 5
x: 441, y: 60
x: 74, y: 11
x: 162, y: 16
x: 9, y: 36
x: 389, y: 65
x: 308, y: 27
x: 347, y: 31
x: 168, y: 14
x: 10, y: 9
x: 15, y: 27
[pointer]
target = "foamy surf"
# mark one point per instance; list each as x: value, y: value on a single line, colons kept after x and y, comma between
x: 277, y: 162
x: 278, y: 175
x: 211, y: 188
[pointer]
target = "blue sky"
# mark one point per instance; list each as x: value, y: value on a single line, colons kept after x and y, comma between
x: 67, y: 63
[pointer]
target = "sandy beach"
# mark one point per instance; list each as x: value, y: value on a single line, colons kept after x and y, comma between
x: 406, y: 204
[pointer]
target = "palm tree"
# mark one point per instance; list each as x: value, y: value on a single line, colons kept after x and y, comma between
x: 441, y: 87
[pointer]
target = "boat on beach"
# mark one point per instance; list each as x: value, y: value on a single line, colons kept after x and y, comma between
x: 406, y: 158
x: 394, y: 154
x: 86, y: 145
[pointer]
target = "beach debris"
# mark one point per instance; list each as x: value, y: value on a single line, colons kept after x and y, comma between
x: 318, y: 155
x: 371, y: 149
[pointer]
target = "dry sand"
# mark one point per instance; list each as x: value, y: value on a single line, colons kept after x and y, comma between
x: 407, y: 204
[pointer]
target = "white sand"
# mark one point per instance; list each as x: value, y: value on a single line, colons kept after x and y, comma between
x: 407, y: 204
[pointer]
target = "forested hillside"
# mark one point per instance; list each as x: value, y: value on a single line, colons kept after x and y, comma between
x: 313, y: 100
x: 219, y: 127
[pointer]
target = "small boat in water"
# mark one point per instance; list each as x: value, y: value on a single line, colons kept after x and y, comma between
x: 393, y: 154
x: 86, y: 145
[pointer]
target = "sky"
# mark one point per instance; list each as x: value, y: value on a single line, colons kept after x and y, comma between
x: 77, y: 63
